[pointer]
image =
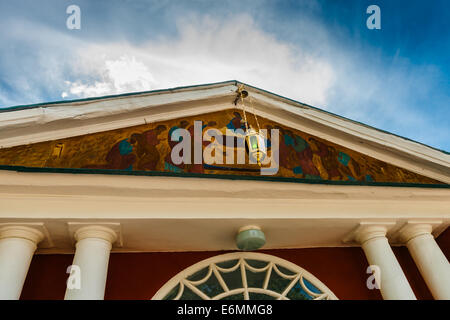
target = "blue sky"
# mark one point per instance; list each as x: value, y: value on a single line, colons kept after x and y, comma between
x: 318, y: 52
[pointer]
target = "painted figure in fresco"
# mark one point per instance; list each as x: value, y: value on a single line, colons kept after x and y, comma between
x: 168, y: 164
x: 145, y: 145
x: 234, y: 124
x: 314, y: 159
x: 120, y: 157
x: 337, y: 165
x: 296, y: 155
x: 305, y: 159
x: 350, y: 168
x: 355, y: 169
x: 237, y: 122
x: 286, y: 152
x: 331, y: 163
x: 192, y: 167
x: 319, y: 150
x: 334, y: 165
x: 326, y: 160
x: 197, y: 167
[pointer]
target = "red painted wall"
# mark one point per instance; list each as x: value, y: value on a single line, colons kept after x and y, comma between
x: 140, y: 275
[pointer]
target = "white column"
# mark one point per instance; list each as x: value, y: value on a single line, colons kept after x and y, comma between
x: 394, y: 285
x: 429, y: 258
x: 91, y: 259
x: 17, y: 246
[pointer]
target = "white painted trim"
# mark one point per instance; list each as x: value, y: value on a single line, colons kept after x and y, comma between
x: 74, y: 127
x: 355, y: 128
x: 51, y: 122
x: 292, y: 215
x: 78, y: 118
x: 79, y: 193
x: 299, y: 272
x: 92, y: 109
x: 439, y: 171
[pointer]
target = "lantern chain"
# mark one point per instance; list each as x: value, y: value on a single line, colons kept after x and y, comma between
x: 241, y: 96
x: 254, y: 113
x: 245, y: 116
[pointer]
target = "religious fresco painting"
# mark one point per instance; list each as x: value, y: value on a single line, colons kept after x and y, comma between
x: 148, y: 148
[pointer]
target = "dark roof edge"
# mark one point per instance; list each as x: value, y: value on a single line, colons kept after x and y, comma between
x: 138, y: 93
x: 220, y: 176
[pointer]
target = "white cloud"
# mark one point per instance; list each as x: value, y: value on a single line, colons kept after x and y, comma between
x: 205, y: 51
x: 117, y: 76
x: 38, y: 63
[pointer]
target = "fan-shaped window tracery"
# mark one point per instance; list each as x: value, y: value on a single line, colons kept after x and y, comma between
x: 244, y: 276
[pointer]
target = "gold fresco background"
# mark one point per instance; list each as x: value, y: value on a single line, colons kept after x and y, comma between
x: 147, y: 147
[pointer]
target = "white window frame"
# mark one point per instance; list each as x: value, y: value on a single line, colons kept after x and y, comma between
x: 299, y: 274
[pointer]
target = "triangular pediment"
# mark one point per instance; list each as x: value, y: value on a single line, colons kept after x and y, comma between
x: 132, y: 134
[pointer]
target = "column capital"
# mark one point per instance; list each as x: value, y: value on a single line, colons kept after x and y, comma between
x: 92, y: 257
x: 413, y: 229
x: 107, y: 231
x: 369, y: 230
x: 21, y: 231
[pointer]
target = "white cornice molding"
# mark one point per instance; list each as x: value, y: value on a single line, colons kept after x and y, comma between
x: 49, y: 122
x: 166, y: 213
x: 97, y: 108
x: 351, y: 127
x: 79, y: 118
x: 380, y: 145
x: 414, y: 163
x: 356, y: 129
x: 91, y: 195
x: 72, y: 128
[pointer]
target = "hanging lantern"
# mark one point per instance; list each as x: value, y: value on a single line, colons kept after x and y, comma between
x: 255, y: 142
x: 255, y: 145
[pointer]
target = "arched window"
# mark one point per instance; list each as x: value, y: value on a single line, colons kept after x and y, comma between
x: 244, y: 276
